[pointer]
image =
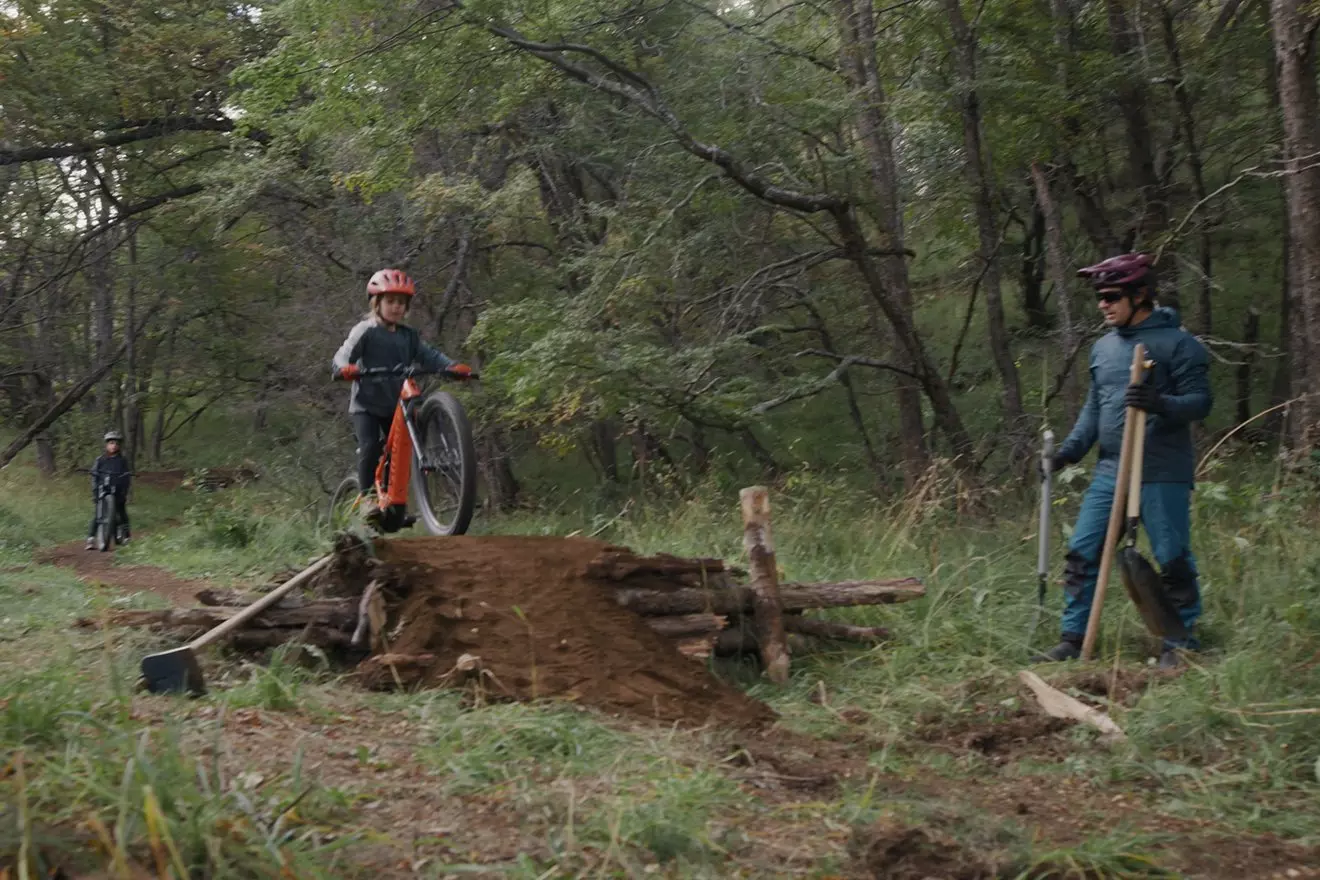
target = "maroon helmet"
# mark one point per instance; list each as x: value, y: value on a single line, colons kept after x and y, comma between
x: 390, y: 281
x: 1125, y: 270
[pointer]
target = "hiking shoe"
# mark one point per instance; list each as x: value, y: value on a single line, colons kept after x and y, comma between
x: 90, y: 545
x: 1064, y: 650
x: 1169, y: 659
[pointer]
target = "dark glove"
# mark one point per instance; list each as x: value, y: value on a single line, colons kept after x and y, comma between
x: 1053, y: 464
x: 1145, y: 397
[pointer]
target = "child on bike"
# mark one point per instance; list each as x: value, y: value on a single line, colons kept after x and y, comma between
x: 382, y: 340
x: 114, y: 466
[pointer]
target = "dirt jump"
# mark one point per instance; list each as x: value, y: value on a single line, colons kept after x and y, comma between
x: 527, y: 618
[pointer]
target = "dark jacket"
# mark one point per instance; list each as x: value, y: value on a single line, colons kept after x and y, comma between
x: 117, y: 467
x: 372, y: 344
x: 1181, y: 376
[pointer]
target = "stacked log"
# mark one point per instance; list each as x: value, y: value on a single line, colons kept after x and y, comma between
x: 699, y: 605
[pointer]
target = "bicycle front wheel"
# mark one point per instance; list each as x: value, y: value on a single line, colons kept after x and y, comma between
x: 445, y: 466
x: 343, y: 510
x: 105, y: 524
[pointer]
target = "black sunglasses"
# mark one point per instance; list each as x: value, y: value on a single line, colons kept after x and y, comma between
x: 1110, y: 296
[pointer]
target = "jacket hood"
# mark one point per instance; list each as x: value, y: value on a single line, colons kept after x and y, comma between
x: 1161, y: 318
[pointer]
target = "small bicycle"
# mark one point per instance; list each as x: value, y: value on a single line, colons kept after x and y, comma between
x: 430, y: 446
x: 109, y: 530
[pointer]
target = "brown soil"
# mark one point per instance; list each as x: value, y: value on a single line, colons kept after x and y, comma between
x: 96, y: 567
x: 522, y: 617
x: 1021, y: 733
x: 890, y: 850
x: 1123, y: 686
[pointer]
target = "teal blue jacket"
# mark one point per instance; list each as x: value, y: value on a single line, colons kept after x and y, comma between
x: 1181, y: 374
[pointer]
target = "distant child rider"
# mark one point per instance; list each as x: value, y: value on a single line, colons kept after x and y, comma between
x: 1175, y: 394
x: 115, y: 466
x: 380, y: 340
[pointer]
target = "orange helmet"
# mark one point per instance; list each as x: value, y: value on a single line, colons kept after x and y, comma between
x: 390, y: 281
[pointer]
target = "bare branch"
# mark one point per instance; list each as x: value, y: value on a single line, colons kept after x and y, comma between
x: 855, y: 360
x: 641, y: 94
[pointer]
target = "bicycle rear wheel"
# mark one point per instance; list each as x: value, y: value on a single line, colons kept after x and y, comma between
x: 445, y: 466
x: 343, y: 510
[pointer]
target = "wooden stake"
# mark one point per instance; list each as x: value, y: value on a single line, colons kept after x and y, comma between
x: 767, y: 607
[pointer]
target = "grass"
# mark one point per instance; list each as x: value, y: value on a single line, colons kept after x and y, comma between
x: 110, y: 779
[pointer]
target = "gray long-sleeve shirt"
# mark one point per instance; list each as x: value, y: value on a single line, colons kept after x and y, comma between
x: 372, y: 343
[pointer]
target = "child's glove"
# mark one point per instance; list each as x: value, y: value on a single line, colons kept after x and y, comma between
x: 350, y: 372
x: 459, y: 371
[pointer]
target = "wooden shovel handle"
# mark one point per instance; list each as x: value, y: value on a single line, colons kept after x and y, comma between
x: 1117, y: 509
x: 260, y: 605
x: 1138, y: 458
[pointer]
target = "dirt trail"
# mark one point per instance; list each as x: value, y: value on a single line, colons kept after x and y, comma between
x: 96, y: 567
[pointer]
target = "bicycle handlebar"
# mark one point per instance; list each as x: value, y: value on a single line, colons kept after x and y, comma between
x: 408, y: 372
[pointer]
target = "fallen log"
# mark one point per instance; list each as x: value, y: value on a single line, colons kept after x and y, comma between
x: 795, y: 597
x: 336, y: 613
x: 225, y: 598
x: 832, y: 629
x: 687, y: 624
x: 618, y: 563
x: 318, y: 636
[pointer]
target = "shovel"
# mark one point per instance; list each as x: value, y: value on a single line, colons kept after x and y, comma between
x: 178, y: 671
x: 1142, y: 582
x: 1043, y: 542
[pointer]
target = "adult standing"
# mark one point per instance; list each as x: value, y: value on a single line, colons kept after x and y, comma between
x: 1175, y: 394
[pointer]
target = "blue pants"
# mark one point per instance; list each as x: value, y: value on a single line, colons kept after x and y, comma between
x: 1167, y: 519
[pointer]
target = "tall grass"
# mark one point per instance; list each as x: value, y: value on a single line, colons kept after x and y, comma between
x: 1233, y: 739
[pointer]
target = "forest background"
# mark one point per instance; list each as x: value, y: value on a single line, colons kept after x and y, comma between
x: 825, y: 245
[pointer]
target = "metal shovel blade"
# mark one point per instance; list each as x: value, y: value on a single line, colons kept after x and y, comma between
x: 1146, y: 591
x: 172, y: 672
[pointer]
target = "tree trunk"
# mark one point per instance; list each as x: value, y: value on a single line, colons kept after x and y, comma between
x: 1293, y: 26
x: 1032, y: 274
x: 856, y: 24
x: 1132, y: 102
x: 131, y: 412
x: 1183, y: 98
x: 1057, y: 269
x: 502, y: 488
x: 163, y: 404
x: 1250, y: 337
x: 979, y: 175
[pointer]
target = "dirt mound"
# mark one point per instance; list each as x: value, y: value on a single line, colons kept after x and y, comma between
x: 890, y: 850
x: 524, y: 618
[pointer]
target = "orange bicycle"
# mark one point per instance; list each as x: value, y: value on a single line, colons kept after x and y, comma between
x: 430, y: 446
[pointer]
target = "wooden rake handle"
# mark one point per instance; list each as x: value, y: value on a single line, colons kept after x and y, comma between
x: 1118, y: 508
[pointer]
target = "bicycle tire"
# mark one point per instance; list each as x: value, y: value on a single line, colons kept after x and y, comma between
x: 105, y: 523
x: 444, y: 478
x: 338, y: 514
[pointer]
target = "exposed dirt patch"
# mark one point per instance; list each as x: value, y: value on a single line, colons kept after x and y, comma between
x: 1002, y: 738
x: 522, y: 617
x: 1123, y: 686
x: 96, y: 567
x: 890, y: 850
